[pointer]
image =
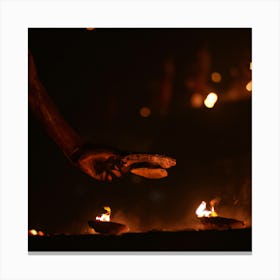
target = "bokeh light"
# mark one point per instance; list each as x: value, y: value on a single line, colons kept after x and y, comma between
x: 210, y: 100
x: 40, y: 233
x: 145, y: 112
x: 196, y: 100
x: 249, y: 86
x: 33, y: 232
x: 216, y: 77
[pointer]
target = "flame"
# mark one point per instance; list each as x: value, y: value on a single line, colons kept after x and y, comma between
x: 202, y: 212
x: 35, y: 232
x: 105, y: 217
x: 32, y: 232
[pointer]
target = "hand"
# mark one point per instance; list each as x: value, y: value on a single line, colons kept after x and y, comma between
x: 106, y: 164
x: 101, y: 164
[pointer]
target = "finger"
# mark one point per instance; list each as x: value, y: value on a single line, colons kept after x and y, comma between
x: 109, y: 177
x: 151, y: 173
x: 116, y: 173
x: 163, y: 161
x: 103, y: 176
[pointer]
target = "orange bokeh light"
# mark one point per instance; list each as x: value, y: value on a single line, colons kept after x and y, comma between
x: 145, y: 112
x: 211, y: 100
x: 196, y: 100
x: 216, y: 77
x: 249, y: 86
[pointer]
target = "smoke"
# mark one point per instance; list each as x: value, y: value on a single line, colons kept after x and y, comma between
x: 215, y: 201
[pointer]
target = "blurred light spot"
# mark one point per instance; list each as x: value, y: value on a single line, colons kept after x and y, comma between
x: 210, y: 100
x: 196, y: 100
x: 250, y: 65
x: 145, y: 112
x: 33, y: 232
x: 249, y: 86
x: 216, y: 77
x: 90, y: 28
x: 40, y: 233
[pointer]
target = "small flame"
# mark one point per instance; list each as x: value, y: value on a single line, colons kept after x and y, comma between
x: 202, y: 212
x: 105, y: 217
x: 32, y: 232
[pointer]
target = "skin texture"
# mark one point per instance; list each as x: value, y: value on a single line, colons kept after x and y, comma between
x: 100, y: 163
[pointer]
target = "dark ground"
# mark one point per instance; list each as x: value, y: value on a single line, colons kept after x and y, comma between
x: 237, y: 240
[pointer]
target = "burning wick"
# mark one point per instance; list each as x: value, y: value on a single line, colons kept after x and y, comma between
x: 105, y: 217
x: 202, y: 212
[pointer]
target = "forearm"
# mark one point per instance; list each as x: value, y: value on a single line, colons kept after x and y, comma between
x: 46, y: 112
x: 101, y: 164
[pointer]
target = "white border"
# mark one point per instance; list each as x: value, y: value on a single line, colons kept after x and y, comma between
x: 17, y: 16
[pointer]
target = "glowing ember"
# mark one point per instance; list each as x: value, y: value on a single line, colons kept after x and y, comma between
x: 202, y: 212
x: 105, y: 217
x: 32, y: 232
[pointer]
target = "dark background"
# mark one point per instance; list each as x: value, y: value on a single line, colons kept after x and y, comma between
x: 99, y: 80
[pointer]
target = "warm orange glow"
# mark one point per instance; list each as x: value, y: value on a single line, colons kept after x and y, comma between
x: 196, y: 100
x: 210, y: 100
x: 145, y: 112
x: 105, y: 217
x: 40, y: 233
x: 202, y: 212
x: 216, y: 77
x: 213, y: 212
x: 249, y: 86
x: 33, y: 232
x: 90, y: 28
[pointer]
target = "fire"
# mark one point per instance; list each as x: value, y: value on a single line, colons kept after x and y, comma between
x: 35, y: 232
x: 105, y: 217
x: 32, y: 232
x: 202, y: 212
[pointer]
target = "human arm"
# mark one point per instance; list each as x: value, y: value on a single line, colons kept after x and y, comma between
x: 98, y: 162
